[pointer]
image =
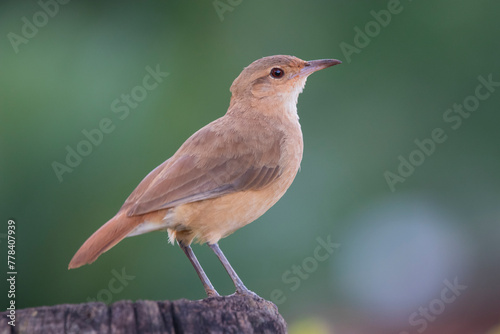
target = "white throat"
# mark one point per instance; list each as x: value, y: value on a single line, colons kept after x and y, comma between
x: 292, y: 97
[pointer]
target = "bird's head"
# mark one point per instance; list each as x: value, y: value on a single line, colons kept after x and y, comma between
x: 277, y: 79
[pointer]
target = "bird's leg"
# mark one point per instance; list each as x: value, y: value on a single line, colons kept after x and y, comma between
x: 240, y: 287
x: 209, y: 288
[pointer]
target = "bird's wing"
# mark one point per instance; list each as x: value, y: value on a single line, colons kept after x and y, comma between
x: 209, y: 164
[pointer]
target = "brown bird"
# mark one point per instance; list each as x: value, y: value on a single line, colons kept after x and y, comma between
x: 224, y: 176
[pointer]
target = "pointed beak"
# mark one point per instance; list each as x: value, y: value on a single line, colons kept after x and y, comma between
x: 316, y: 65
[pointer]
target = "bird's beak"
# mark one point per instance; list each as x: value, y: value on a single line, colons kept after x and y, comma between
x: 316, y: 65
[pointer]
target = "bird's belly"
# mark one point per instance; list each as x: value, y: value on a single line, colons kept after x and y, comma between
x: 211, y: 220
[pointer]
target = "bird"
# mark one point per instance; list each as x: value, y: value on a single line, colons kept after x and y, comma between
x: 226, y: 175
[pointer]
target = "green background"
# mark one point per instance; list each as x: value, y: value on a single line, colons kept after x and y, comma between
x: 398, y: 249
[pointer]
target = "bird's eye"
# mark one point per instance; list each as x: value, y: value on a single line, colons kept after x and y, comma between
x: 277, y: 73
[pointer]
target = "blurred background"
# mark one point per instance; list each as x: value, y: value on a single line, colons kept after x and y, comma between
x: 392, y: 224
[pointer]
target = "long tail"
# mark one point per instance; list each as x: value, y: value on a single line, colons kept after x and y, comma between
x: 104, y: 238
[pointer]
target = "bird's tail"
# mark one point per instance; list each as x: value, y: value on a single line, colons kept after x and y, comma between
x: 104, y: 238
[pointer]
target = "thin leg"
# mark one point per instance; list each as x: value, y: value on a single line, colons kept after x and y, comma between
x: 240, y: 287
x: 209, y: 288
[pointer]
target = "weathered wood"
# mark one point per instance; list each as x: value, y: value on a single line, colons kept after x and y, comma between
x: 231, y: 314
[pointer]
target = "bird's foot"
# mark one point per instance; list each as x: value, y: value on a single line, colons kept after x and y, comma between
x: 212, y: 293
x: 245, y: 292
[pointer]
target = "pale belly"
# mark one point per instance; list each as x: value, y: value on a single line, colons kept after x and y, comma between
x: 211, y: 220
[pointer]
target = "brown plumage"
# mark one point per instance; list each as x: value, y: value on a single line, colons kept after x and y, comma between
x: 225, y: 175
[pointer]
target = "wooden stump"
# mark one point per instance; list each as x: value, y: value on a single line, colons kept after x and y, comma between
x: 231, y: 314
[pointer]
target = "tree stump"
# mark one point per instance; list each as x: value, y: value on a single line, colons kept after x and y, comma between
x: 231, y: 314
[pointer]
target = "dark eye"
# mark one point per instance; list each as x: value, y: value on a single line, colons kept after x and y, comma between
x: 277, y: 73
